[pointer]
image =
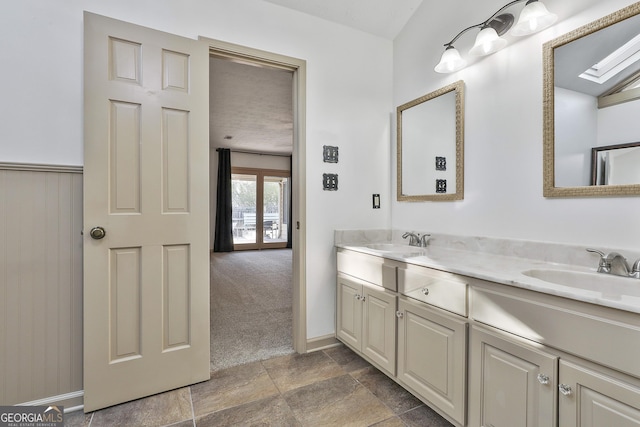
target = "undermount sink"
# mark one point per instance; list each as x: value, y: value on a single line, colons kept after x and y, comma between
x: 598, y: 282
x: 404, y: 250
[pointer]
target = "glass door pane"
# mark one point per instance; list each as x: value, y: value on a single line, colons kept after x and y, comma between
x: 243, y: 200
x: 275, y: 209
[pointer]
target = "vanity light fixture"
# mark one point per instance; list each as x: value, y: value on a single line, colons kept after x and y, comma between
x: 534, y: 17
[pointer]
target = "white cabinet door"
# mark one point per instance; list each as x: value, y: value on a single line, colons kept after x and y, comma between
x: 349, y: 312
x: 592, y: 399
x: 432, y: 349
x: 366, y: 321
x: 379, y: 327
x: 512, y: 384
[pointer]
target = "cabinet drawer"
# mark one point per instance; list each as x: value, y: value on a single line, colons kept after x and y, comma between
x: 444, y: 290
x: 373, y: 269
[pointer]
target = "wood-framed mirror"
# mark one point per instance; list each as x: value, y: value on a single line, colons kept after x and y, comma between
x: 430, y: 146
x: 591, y: 103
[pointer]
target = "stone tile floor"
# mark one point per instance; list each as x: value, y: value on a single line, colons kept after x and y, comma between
x: 333, y: 387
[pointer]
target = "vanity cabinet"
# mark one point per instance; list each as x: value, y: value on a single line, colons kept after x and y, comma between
x: 520, y: 383
x: 366, y: 320
x: 432, y: 347
x: 546, y: 361
x: 429, y: 326
x: 530, y: 359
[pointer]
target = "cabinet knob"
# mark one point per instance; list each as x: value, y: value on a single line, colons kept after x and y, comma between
x: 425, y: 291
x: 363, y: 298
x: 543, y: 379
x: 399, y: 314
x: 565, y: 389
x: 357, y: 296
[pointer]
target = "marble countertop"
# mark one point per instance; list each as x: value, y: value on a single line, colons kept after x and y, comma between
x: 606, y: 290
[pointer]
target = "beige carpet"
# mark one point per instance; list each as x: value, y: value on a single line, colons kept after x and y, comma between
x: 251, y: 312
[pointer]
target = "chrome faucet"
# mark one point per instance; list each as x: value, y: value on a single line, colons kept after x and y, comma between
x: 635, y: 270
x: 616, y: 264
x: 415, y: 239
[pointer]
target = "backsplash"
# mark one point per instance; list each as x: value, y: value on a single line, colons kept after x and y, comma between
x: 543, y: 251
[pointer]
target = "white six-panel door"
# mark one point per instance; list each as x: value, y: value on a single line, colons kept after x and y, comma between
x: 146, y: 150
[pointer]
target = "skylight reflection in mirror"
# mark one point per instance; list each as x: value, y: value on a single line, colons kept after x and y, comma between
x: 615, y: 62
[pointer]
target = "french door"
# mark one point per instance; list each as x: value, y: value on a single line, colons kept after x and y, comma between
x: 261, y: 204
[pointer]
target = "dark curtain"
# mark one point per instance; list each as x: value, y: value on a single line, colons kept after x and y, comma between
x: 223, y: 240
x: 290, y: 227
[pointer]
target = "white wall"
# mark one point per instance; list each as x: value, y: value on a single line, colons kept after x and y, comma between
x: 619, y: 124
x: 256, y: 161
x: 427, y: 131
x: 349, y: 93
x: 576, y: 125
x: 581, y: 125
x: 503, y: 138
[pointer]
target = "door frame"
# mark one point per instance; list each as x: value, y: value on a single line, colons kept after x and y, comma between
x: 254, y: 57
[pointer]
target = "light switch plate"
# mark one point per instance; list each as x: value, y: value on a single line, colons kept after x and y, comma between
x: 330, y: 181
x: 330, y: 154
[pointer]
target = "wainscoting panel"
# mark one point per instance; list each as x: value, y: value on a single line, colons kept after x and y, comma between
x: 40, y: 282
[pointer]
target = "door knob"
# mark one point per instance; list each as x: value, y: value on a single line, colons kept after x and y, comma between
x: 97, y: 233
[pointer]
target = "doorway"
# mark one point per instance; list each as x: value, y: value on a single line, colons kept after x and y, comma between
x: 251, y: 311
x: 297, y: 179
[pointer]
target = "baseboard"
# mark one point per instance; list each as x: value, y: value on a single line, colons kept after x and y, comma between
x: 71, y: 401
x: 322, y: 343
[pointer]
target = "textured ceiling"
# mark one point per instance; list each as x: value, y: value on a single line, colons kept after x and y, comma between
x: 251, y: 105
